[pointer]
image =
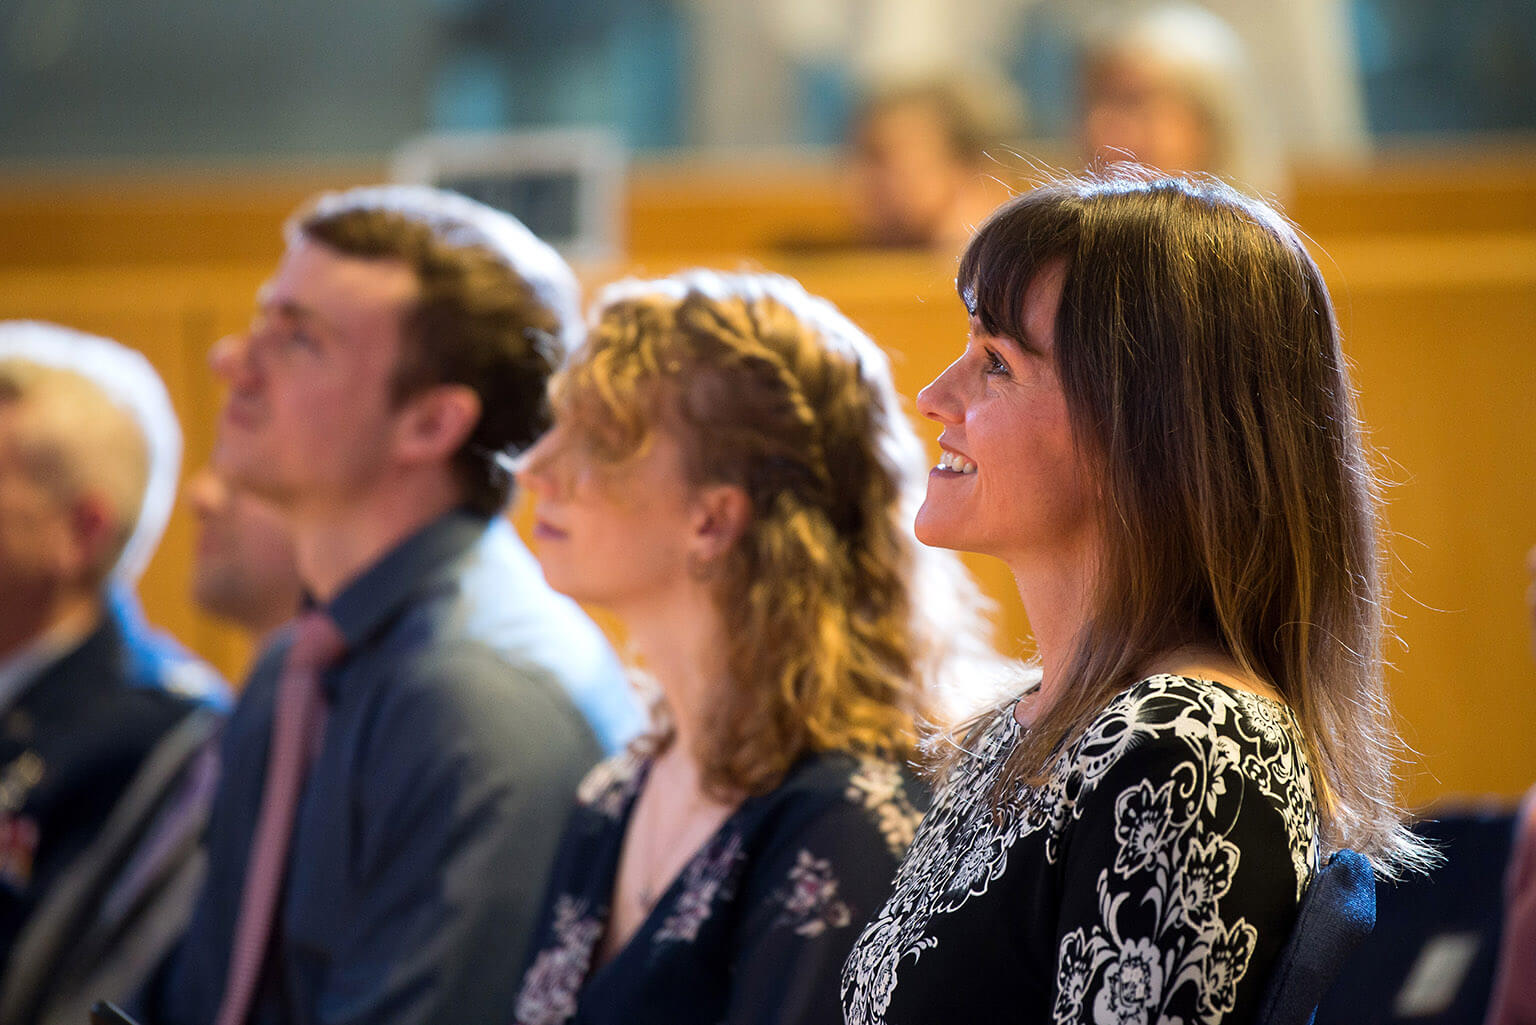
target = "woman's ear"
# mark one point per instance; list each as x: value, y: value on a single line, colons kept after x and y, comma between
x: 721, y: 515
x: 435, y: 423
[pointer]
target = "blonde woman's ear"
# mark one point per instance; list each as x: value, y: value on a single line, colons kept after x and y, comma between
x: 722, y: 513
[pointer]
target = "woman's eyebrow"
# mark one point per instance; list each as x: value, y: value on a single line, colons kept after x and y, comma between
x: 1022, y: 345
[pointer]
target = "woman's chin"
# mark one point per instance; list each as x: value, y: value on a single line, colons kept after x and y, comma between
x: 934, y: 530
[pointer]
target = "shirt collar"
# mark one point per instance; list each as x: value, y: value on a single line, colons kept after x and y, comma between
x: 25, y: 667
x: 375, y: 595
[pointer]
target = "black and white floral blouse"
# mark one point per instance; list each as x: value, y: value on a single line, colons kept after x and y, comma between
x: 1152, y: 880
x: 756, y: 926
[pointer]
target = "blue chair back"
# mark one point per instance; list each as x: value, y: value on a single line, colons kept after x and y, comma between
x: 1431, y: 958
x: 1337, y: 912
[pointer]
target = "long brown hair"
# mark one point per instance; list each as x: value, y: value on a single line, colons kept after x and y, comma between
x: 838, y: 620
x: 1200, y: 359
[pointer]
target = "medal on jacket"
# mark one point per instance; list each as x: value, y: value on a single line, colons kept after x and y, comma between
x: 18, y: 833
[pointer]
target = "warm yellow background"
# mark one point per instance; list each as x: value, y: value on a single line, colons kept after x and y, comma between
x: 1432, y: 263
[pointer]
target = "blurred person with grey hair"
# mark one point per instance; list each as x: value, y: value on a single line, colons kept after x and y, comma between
x: 76, y: 721
x: 1172, y: 87
x: 155, y: 658
x: 403, y: 755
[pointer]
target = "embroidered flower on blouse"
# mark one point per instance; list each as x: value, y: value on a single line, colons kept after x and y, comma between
x: 611, y: 785
x: 1132, y: 988
x: 549, y: 989
x: 1225, y: 966
x: 1265, y: 723
x: 1205, y: 877
x: 1143, y: 824
x: 706, y: 878
x: 1173, y: 872
x: 1075, y: 964
x: 878, y: 787
x: 810, y: 900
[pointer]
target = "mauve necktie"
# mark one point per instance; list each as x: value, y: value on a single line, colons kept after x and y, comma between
x: 297, y: 724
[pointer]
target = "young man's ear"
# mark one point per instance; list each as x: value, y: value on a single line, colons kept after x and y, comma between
x: 435, y: 423
x: 722, y: 513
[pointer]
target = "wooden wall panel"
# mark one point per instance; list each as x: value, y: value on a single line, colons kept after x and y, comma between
x: 1437, y: 309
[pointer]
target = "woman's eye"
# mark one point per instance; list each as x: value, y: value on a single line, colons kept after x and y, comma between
x: 994, y: 364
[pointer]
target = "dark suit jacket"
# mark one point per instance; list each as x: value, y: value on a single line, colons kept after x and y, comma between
x: 430, y: 818
x: 68, y: 748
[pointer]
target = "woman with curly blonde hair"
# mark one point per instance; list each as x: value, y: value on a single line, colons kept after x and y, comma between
x: 730, y: 474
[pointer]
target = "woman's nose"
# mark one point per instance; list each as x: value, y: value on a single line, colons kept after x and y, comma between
x: 939, y: 401
x: 533, y: 468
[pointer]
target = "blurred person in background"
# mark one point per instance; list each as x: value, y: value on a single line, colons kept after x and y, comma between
x: 400, y: 763
x: 78, y: 717
x: 1172, y: 87
x: 730, y: 473
x: 922, y: 157
x: 155, y: 658
x: 1514, y: 986
x: 244, y: 569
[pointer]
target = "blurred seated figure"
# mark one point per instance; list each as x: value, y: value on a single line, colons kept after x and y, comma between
x: 1513, y: 1001
x: 402, y: 757
x: 1514, y: 988
x: 243, y: 569
x: 76, y: 725
x: 1171, y: 87
x: 919, y: 160
x: 154, y: 658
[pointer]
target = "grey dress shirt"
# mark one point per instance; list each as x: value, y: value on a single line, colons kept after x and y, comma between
x: 430, y: 818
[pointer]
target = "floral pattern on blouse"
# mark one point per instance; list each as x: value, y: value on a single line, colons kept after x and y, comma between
x: 549, y: 987
x: 880, y: 788
x: 756, y: 926
x: 1166, y: 797
x: 706, y: 879
x: 612, y: 784
x: 811, y: 904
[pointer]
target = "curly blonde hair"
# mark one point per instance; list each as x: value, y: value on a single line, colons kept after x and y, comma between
x: 839, y: 621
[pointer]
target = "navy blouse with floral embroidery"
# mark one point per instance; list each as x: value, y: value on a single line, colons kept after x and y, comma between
x: 756, y: 926
x: 1150, y: 880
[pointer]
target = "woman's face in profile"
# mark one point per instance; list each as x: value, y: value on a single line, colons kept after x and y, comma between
x: 1010, y: 481
x: 614, y: 534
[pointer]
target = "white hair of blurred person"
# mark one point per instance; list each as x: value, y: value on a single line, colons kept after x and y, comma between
x: 127, y: 378
x: 73, y: 467
x: 244, y: 568
x: 1173, y: 87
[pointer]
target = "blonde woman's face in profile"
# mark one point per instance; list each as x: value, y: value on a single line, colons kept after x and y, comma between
x: 1010, y: 482
x: 615, y: 535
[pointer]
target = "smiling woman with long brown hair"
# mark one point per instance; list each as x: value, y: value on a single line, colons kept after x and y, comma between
x: 1152, y: 424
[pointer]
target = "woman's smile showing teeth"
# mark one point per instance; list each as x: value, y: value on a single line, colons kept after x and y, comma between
x: 955, y: 463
